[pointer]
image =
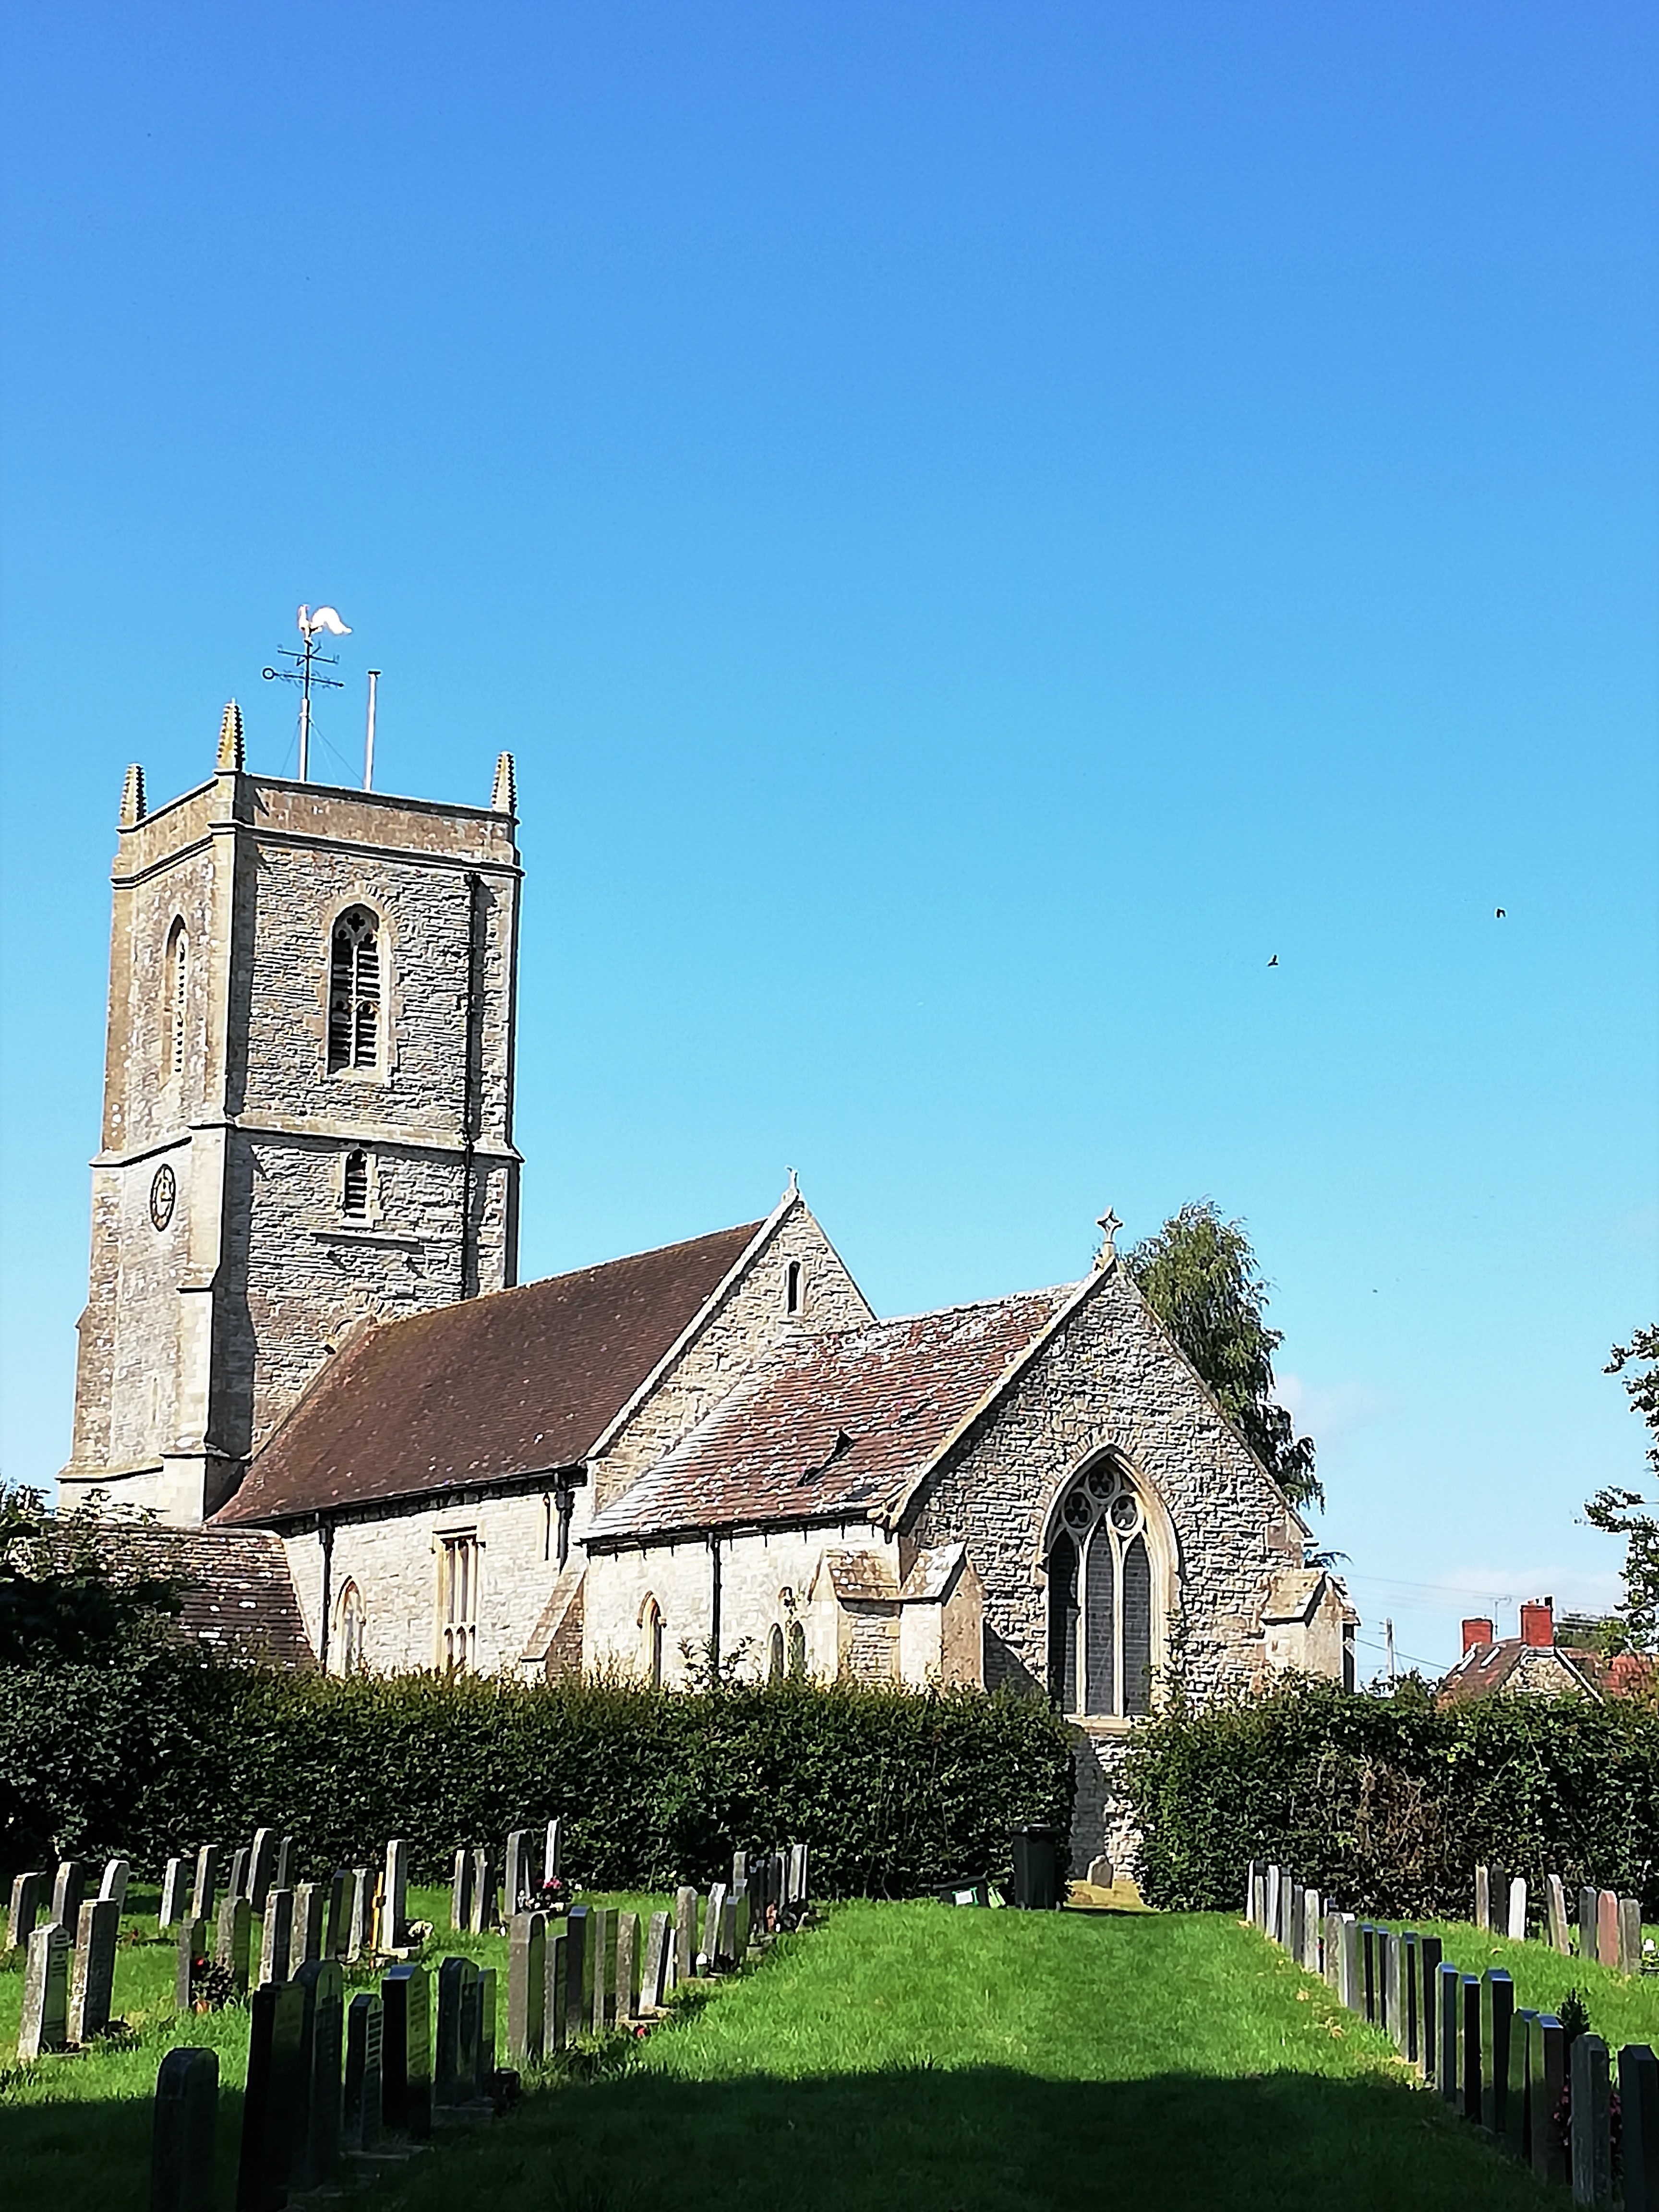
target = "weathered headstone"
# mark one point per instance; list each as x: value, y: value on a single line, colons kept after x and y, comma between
x: 455, y: 2075
x: 708, y: 1958
x: 527, y: 1989
x: 283, y: 1877
x: 1497, y: 2018
x: 578, y: 1972
x: 114, y: 1886
x: 483, y: 1894
x: 92, y: 1977
x: 336, y: 1929
x: 1428, y: 2016
x: 235, y: 1941
x: 516, y: 1877
x: 1589, y: 1901
x: 1101, y: 1871
x: 310, y: 1900
x: 1498, y: 1908
x: 406, y: 2051
x: 685, y: 1933
x: 1275, y: 1880
x: 262, y: 1868
x: 1448, y: 2007
x: 1482, y: 1897
x: 1517, y: 1917
x: 1555, y: 1907
x: 395, y: 1908
x: 1393, y: 2002
x: 628, y: 1967
x: 553, y: 2004
x: 276, y: 1936
x: 1333, y: 1950
x: 742, y: 1912
x: 236, y: 1882
x: 484, y: 1988
x: 1638, y: 2105
x: 798, y: 1873
x: 1293, y: 1921
x: 1546, y: 2053
x: 44, y: 2022
x: 359, y: 1911
x: 360, y: 2128
x: 740, y: 1868
x: 460, y: 1890
x: 27, y: 1892
x: 1312, y: 1924
x: 1629, y: 1935
x: 191, y: 1949
x: 1250, y: 1873
x: 183, y: 2131
x: 602, y: 1941
x: 174, y: 1877
x: 1410, y: 2036
x: 1372, y: 1937
x: 205, y: 1887
x: 1517, y: 2115
x: 1607, y: 1928
x: 274, y: 2099
x: 1592, y: 2122
x: 321, y: 1984
x: 1351, y: 1985
x: 1258, y: 1900
x: 1469, y: 2048
x: 550, y: 1852
x: 654, y: 1979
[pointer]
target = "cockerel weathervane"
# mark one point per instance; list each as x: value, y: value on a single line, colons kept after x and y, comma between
x: 313, y: 622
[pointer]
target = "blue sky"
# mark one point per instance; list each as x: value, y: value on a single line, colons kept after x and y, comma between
x: 981, y: 525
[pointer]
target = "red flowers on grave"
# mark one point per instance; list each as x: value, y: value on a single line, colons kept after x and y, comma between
x: 551, y: 1896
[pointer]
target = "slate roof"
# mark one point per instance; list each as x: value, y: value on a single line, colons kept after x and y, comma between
x: 833, y: 1426
x: 517, y: 1382
x: 238, y: 1598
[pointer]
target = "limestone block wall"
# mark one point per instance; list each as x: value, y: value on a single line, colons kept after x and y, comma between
x: 747, y: 1320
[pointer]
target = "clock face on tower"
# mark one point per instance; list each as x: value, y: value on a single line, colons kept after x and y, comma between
x: 163, y: 1191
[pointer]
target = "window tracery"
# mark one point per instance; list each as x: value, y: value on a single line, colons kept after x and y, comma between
x: 353, y: 992
x: 1101, y: 1598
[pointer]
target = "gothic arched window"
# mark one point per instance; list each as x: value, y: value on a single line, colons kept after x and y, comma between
x: 353, y: 992
x: 1100, y: 1598
x: 774, y: 1654
x: 650, y: 1641
x: 351, y: 1630
x: 174, y: 979
x: 797, y: 1649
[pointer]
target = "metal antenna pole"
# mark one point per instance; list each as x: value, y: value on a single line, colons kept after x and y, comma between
x: 369, y: 735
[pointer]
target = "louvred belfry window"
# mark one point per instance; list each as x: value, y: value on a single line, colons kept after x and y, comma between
x: 176, y: 978
x: 353, y: 992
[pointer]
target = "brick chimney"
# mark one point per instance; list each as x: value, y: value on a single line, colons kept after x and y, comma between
x: 1476, y: 1632
x: 1538, y: 1624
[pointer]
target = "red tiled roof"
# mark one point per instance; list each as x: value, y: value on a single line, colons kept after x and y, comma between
x: 834, y: 1425
x: 517, y: 1382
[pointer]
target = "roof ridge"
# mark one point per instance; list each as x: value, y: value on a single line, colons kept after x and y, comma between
x: 938, y: 1313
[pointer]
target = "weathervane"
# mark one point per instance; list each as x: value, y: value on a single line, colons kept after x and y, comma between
x: 304, y: 671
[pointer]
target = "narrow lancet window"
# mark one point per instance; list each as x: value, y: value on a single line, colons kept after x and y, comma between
x: 353, y: 992
x: 355, y: 1200
x: 174, y: 980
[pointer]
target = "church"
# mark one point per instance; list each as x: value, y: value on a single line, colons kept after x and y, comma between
x: 305, y: 1343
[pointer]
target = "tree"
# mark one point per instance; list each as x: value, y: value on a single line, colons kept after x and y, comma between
x: 1199, y: 1275
x: 1626, y: 1512
x: 68, y: 1593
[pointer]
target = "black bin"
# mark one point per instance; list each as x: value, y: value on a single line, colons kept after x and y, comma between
x: 1037, y: 1869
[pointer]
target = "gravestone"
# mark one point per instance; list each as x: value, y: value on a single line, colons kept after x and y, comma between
x: 1428, y: 2017
x: 283, y: 1877
x: 44, y: 2022
x: 1250, y: 1873
x: 1607, y: 1928
x: 1333, y: 1949
x: 460, y: 1890
x: 1370, y: 1937
x: 1393, y: 2005
x: 708, y: 1958
x: 685, y: 1934
x: 1312, y: 1923
x: 1469, y: 2049
x: 653, y: 1982
x: 336, y: 1931
x: 321, y: 1984
x: 1411, y: 1998
x: 628, y: 1967
x: 1447, y: 2009
x: 361, y: 2126
x: 1100, y: 1874
x: 1497, y: 1907
x: 236, y: 1882
x: 1592, y: 2122
x: 553, y: 2003
x: 1638, y: 2103
x: 1517, y: 2076
x: 455, y: 2076
x: 1518, y: 1923
x: 1629, y: 1935
x: 310, y: 1900
x: 740, y: 1868
x: 1259, y: 1901
x: 1352, y: 1987
x: 173, y: 1878
x: 183, y: 2131
x: 92, y: 1977
x: 235, y: 1941
x: 484, y: 1988
x: 395, y: 1923
x: 262, y: 1868
x: 274, y: 2099
x: 1589, y: 1900
x: 516, y: 1878
x: 483, y: 1894
x: 1482, y: 1897
x: 1497, y: 2017
x: 602, y: 1943
x: 276, y: 1936
x: 1274, y: 1879
x: 117, y: 1875
x: 192, y: 1945
x: 527, y: 1989
x: 68, y: 1891
x: 1546, y: 2057
x: 1555, y: 1908
x: 205, y: 1887
x: 743, y: 1914
x: 360, y: 1908
x: 1293, y: 1921
x: 27, y: 1892
x: 406, y: 2051
x: 578, y: 1972
x: 550, y: 1852
x: 798, y: 1873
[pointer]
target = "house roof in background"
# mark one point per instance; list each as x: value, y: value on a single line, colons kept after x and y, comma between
x: 516, y: 1383
x: 834, y: 1426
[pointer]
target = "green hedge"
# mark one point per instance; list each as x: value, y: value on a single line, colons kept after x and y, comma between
x: 895, y: 1791
x: 1388, y: 1804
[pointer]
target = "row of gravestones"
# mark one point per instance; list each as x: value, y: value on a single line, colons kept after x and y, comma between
x: 365, y: 1908
x: 480, y: 1880
x: 326, y: 2080
x: 68, y: 1963
x: 590, y: 1971
x: 1505, y: 2070
x: 1608, y: 1927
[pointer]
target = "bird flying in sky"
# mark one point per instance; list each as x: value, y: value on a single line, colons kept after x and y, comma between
x: 312, y: 620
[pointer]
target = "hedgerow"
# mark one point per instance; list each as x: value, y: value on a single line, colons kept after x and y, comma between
x: 895, y: 1791
x: 1388, y: 1804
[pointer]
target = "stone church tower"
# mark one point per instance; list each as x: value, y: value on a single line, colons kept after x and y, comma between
x: 307, y: 1108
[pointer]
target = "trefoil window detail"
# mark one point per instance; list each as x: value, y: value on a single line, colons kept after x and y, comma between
x: 353, y: 992
x: 1100, y: 1599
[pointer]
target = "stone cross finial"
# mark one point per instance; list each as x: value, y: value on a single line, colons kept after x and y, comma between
x: 505, y: 797
x: 132, y: 797
x: 1108, y: 1225
x: 232, y: 752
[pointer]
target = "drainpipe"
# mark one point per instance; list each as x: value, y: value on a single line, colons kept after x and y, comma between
x: 714, y: 1609
x: 326, y: 1539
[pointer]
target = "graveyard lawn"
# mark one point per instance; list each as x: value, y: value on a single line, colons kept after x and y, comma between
x: 941, y: 2059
